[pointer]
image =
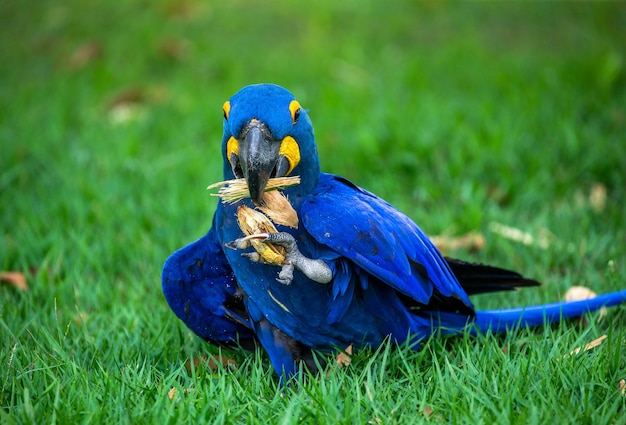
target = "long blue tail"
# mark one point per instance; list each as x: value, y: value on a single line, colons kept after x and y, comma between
x: 498, y: 321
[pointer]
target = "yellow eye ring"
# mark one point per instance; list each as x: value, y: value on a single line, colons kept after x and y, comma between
x: 294, y: 108
x: 226, y: 108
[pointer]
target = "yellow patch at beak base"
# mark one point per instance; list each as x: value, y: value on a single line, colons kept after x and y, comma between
x: 232, y: 147
x: 290, y: 149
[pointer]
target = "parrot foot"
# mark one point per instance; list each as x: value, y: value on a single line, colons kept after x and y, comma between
x: 316, y: 270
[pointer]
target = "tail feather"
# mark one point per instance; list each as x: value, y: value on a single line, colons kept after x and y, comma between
x: 480, y: 278
x: 498, y: 321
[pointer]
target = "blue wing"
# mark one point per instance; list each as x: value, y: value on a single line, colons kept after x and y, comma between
x: 380, y: 240
x: 199, y: 286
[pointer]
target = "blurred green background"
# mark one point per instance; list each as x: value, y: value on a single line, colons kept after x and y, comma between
x: 460, y: 114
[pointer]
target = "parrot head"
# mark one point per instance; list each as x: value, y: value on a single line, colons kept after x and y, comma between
x: 268, y: 134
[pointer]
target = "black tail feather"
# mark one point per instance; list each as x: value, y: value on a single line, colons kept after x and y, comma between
x: 480, y: 278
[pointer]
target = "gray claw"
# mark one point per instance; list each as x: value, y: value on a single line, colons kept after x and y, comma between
x: 244, y: 243
x: 255, y: 257
x: 237, y: 244
x: 286, y: 274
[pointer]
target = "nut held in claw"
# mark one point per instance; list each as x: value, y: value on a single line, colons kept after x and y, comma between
x: 254, y: 222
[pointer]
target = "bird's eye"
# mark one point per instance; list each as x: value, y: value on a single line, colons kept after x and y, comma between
x: 226, y: 108
x: 294, y: 108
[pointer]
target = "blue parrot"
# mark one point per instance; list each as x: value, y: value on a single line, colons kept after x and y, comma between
x: 356, y: 270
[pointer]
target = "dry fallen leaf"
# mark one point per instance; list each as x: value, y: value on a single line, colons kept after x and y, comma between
x: 171, y: 393
x: 592, y: 344
x: 174, y: 48
x: 577, y: 293
x: 183, y: 9
x: 132, y: 103
x: 213, y: 362
x: 473, y: 241
x: 128, y: 96
x: 126, y: 105
x: 85, y: 54
x: 16, y: 279
x: 80, y: 317
x: 543, y: 240
x: 427, y: 411
x: 597, y: 197
x: 343, y: 358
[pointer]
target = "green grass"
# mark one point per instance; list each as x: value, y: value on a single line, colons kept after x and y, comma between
x: 459, y: 114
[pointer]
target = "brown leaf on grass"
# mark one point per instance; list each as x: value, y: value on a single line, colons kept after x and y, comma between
x: 132, y: 102
x: 513, y: 349
x: 429, y: 413
x: 174, y: 48
x: 543, y: 240
x: 587, y: 347
x: 171, y: 393
x: 473, y: 241
x: 85, y: 54
x: 577, y: 293
x: 126, y: 105
x: 183, y: 9
x: 128, y: 96
x: 426, y: 411
x: 212, y: 361
x: 498, y: 194
x: 343, y: 359
x: 15, y: 279
x: 80, y: 317
x: 597, y: 197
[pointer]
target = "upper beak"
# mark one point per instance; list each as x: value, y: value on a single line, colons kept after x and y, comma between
x: 259, y: 158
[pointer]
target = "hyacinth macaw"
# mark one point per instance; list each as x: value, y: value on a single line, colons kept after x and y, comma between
x: 356, y: 270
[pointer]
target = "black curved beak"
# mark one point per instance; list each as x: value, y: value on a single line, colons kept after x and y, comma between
x: 259, y: 158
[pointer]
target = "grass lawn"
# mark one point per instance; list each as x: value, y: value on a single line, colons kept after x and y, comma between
x: 465, y: 116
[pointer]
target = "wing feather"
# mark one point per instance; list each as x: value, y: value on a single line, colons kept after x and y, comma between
x: 379, y: 239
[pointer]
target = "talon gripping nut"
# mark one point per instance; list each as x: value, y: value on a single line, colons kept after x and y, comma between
x: 253, y: 222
